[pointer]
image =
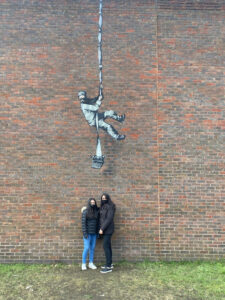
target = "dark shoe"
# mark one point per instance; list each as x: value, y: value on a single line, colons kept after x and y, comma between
x: 121, y: 118
x: 111, y: 267
x: 121, y: 137
x: 106, y: 270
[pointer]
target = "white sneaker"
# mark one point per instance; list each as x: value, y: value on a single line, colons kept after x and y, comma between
x: 83, y: 267
x: 92, y: 266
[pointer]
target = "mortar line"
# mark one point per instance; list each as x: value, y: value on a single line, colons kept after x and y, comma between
x: 157, y: 132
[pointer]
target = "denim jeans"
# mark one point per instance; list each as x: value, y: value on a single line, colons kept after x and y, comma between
x: 89, y: 246
x: 107, y: 249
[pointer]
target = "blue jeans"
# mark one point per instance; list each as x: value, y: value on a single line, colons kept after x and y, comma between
x: 89, y: 246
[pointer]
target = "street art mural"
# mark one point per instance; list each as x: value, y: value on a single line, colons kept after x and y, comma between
x: 90, y: 107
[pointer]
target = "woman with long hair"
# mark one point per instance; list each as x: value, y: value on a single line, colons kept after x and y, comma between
x: 90, y: 228
x: 107, y: 211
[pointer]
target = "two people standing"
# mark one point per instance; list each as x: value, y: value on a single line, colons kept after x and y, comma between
x: 96, y: 222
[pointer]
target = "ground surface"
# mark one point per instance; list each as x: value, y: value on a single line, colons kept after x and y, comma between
x: 166, y: 281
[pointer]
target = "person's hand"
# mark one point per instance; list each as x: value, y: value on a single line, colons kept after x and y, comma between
x: 99, y: 102
x: 100, y: 231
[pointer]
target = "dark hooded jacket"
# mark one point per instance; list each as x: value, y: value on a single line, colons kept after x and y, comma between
x: 90, y: 220
x: 107, y: 212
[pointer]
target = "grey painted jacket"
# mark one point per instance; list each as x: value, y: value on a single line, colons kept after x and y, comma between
x: 89, y: 108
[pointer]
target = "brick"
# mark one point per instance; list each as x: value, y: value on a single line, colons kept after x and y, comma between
x: 163, y: 65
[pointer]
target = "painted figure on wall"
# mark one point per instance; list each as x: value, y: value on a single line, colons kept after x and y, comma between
x: 90, y: 106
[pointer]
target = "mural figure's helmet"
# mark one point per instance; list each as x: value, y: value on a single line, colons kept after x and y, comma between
x: 82, y: 93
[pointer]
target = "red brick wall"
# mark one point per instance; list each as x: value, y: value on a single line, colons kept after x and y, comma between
x: 191, y: 133
x: 163, y: 66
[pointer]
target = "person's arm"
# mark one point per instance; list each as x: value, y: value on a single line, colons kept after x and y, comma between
x: 84, y: 224
x: 94, y: 107
x: 109, y: 219
x: 101, y: 91
x: 91, y: 101
x: 100, y: 98
x: 98, y: 224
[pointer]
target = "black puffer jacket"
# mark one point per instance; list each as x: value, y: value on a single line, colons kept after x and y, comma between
x: 106, y: 218
x: 89, y: 226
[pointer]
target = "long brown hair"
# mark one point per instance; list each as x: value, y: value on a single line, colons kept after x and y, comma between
x: 108, y: 201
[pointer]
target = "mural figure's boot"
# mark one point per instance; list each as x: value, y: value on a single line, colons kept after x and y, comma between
x: 121, y: 118
x: 121, y: 137
x: 112, y: 131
